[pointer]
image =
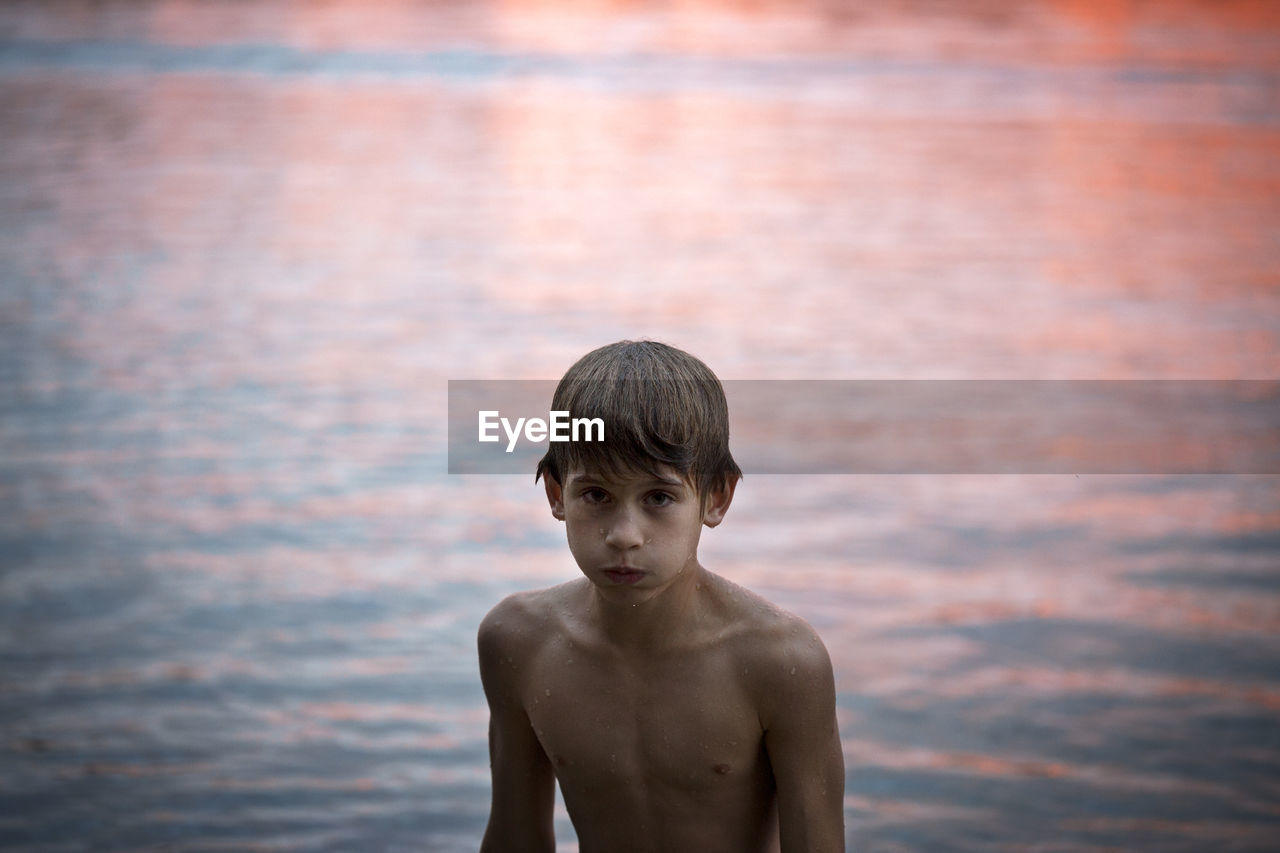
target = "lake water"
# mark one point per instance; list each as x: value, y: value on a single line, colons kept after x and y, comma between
x: 245, y: 246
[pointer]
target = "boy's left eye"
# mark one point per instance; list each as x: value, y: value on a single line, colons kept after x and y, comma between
x: 661, y: 499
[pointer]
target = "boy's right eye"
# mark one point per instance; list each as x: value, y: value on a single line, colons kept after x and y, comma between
x: 594, y: 496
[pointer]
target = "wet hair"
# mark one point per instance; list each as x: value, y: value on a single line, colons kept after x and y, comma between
x: 660, y: 407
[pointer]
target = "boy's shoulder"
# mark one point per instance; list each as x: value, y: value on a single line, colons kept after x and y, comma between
x: 763, y: 631
x: 522, y: 617
x: 783, y: 661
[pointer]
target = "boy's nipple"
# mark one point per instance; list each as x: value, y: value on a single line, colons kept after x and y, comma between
x: 722, y: 769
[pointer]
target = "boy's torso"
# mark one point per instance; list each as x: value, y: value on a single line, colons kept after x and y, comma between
x: 664, y: 752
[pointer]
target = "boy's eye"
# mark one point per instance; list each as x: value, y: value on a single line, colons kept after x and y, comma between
x: 594, y: 496
x: 661, y: 499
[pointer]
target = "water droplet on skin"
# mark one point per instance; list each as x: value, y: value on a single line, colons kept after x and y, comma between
x: 793, y: 672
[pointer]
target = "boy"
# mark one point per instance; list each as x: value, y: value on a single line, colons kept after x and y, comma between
x: 678, y: 711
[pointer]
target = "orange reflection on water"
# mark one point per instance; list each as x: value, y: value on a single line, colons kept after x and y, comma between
x: 867, y: 752
x: 1048, y: 681
x: 1195, y: 32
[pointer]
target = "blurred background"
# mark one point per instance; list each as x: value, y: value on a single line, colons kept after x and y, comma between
x: 246, y: 244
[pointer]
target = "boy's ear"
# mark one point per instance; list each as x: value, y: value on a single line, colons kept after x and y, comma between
x: 718, y: 503
x: 555, y: 495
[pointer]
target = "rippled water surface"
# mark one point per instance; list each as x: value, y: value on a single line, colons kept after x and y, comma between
x: 245, y: 246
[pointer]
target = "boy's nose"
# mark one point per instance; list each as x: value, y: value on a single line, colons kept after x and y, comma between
x: 624, y: 532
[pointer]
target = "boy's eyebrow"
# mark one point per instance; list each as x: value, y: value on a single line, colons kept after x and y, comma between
x: 666, y: 482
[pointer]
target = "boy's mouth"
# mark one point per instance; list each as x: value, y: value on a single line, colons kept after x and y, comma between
x: 623, y: 575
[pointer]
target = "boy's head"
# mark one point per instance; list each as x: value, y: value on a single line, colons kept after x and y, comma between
x: 661, y: 407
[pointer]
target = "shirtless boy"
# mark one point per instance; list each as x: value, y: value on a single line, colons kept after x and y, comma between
x: 680, y: 712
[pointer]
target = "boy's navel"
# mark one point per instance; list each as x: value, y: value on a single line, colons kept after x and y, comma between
x: 722, y: 769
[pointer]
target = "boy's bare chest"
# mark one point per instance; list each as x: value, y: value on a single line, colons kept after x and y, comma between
x: 683, y: 722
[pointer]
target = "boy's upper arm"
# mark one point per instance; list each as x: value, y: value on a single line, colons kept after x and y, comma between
x: 803, y: 744
x: 520, y: 816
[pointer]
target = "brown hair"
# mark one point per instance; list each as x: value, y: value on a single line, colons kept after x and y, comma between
x: 660, y: 406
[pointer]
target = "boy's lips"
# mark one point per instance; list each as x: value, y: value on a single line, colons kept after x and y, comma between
x: 623, y: 574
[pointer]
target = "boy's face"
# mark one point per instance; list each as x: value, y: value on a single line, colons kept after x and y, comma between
x: 633, y: 535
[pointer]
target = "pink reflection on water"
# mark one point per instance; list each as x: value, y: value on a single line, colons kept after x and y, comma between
x: 422, y: 726
x: 1185, y: 31
x: 319, y: 573
x: 393, y: 712
x: 305, y: 248
x: 1017, y: 682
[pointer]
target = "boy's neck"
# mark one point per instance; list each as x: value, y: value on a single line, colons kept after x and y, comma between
x: 651, y: 625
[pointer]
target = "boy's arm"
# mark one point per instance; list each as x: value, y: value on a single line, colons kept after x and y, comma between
x: 803, y: 743
x: 520, y: 816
